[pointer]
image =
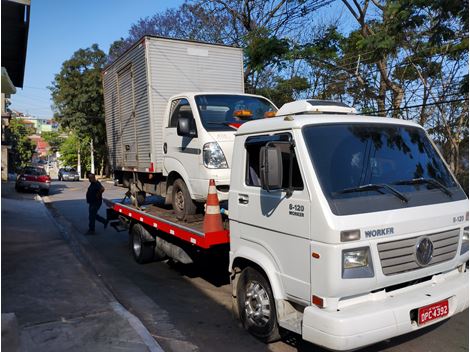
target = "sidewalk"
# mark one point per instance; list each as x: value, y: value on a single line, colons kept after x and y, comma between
x: 59, y: 305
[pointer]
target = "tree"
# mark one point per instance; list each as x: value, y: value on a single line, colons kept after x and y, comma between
x: 417, y: 57
x: 22, y: 148
x: 54, y: 139
x: 77, y: 94
x: 68, y: 151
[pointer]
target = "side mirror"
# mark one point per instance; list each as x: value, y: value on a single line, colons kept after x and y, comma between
x: 271, y: 168
x: 186, y: 127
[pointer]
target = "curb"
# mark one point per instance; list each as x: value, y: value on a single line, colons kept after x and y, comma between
x: 80, y: 251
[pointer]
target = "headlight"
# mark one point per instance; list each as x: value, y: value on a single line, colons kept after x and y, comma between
x: 357, y: 263
x: 464, y: 248
x: 213, y: 156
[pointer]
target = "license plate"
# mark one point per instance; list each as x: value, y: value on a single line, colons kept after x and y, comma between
x: 433, y: 311
x: 34, y: 186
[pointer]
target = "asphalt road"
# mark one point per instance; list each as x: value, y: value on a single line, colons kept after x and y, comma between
x: 197, y: 303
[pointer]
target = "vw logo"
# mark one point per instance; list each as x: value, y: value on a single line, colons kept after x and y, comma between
x: 424, y: 251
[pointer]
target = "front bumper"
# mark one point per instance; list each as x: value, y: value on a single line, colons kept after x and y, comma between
x: 70, y: 178
x: 200, y: 188
x: 383, y: 316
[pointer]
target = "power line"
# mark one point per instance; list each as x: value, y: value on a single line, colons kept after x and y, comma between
x: 418, y: 106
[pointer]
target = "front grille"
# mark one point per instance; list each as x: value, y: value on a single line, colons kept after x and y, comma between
x: 399, y: 256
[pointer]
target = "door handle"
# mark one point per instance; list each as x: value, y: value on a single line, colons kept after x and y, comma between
x: 243, y: 199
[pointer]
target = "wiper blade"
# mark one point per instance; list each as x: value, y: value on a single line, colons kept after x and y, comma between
x: 421, y: 180
x: 376, y: 187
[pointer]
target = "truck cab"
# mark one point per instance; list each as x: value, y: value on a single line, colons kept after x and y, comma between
x: 345, y: 229
x: 198, y: 140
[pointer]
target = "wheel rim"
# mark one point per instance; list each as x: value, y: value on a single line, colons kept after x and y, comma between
x: 179, y: 200
x: 136, y: 244
x: 257, y: 304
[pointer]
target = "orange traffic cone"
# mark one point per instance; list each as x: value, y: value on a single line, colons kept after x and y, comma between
x: 212, y: 219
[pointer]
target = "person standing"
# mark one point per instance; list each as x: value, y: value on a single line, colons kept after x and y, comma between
x: 94, y: 198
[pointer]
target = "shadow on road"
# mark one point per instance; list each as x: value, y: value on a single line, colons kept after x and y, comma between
x: 8, y: 190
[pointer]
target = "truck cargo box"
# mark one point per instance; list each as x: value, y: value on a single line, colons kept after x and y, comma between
x: 138, y: 85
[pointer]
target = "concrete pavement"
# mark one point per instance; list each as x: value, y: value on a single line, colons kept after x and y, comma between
x: 55, y: 303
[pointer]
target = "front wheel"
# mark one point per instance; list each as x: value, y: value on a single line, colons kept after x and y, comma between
x: 256, y: 305
x: 182, y: 203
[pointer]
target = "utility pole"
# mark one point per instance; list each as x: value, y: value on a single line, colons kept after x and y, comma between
x: 79, y: 166
x: 92, y: 156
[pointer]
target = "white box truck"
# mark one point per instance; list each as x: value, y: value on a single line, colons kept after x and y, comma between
x: 345, y: 229
x: 170, y: 122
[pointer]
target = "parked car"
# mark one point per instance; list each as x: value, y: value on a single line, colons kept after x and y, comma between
x: 33, y: 178
x: 68, y: 174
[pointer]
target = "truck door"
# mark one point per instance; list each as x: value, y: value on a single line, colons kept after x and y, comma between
x: 127, y: 114
x: 275, y: 221
x: 185, y: 151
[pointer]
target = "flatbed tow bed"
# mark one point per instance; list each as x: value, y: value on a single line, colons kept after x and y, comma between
x: 162, y: 219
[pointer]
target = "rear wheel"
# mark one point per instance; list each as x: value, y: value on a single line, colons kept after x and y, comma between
x: 256, y: 305
x: 182, y: 203
x: 142, y: 244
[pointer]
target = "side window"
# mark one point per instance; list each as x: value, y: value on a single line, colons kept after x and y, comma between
x: 179, y: 108
x: 253, y: 147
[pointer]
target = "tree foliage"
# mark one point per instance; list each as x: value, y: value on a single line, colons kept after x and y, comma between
x: 77, y: 93
x: 54, y: 139
x: 22, y: 147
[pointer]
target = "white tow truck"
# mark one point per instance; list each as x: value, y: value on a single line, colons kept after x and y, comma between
x: 345, y: 229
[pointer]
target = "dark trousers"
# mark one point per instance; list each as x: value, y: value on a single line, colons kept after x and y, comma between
x: 94, y: 216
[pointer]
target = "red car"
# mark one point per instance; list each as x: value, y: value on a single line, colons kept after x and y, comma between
x: 33, y: 178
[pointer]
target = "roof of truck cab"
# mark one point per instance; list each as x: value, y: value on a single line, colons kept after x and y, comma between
x: 192, y: 94
x: 298, y: 121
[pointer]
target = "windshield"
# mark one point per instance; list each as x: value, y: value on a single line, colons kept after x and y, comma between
x: 228, y: 112
x: 347, y: 157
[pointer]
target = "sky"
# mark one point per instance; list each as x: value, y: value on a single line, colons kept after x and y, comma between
x: 60, y: 27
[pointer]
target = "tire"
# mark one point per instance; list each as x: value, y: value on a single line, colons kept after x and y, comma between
x: 140, y: 197
x: 141, y: 246
x: 254, y: 295
x: 181, y: 200
x: 44, y: 192
x: 18, y: 189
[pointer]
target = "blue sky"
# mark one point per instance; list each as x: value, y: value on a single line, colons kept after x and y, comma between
x: 60, y: 27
